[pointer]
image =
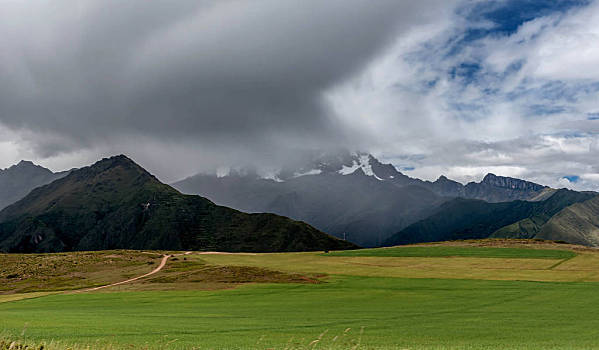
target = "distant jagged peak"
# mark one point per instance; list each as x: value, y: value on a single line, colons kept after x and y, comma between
x: 369, y: 165
x: 510, y: 182
x: 444, y: 179
x: 104, y: 162
x: 359, y: 161
x: 335, y: 163
x: 26, y: 165
x: 346, y: 162
x: 326, y: 163
x: 490, y: 178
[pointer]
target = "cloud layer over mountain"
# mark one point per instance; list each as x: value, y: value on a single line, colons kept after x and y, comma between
x: 454, y: 87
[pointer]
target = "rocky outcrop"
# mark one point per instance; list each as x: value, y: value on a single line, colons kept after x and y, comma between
x: 448, y: 188
x: 495, y: 188
x: 511, y: 183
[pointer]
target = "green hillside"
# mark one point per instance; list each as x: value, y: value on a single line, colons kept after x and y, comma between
x: 116, y: 204
x: 474, y: 219
x: 578, y: 223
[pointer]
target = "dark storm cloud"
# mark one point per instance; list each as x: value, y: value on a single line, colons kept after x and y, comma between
x: 241, y: 74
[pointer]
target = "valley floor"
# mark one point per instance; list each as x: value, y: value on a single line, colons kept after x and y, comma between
x: 468, y: 295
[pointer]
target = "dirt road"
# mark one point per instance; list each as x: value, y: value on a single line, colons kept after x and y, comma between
x: 157, y: 269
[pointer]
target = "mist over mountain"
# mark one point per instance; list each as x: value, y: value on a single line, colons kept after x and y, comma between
x: 351, y: 195
x: 486, y: 111
x: 116, y: 204
x: 18, y: 180
x: 452, y: 87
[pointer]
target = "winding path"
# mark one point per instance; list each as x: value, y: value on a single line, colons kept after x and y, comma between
x: 157, y: 269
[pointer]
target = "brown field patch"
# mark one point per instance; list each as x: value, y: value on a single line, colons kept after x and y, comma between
x: 22, y: 273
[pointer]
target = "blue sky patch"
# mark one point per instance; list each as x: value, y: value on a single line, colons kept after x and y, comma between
x: 572, y: 178
x: 500, y: 18
x: 539, y: 109
x: 466, y: 71
x: 506, y: 16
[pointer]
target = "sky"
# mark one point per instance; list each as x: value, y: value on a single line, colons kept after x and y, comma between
x: 453, y: 87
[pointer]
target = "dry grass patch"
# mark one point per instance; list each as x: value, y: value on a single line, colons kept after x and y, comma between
x: 583, y: 267
x: 22, y: 273
x: 197, y: 272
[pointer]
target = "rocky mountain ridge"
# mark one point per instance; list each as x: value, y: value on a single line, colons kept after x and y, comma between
x: 492, y: 188
x: 350, y: 194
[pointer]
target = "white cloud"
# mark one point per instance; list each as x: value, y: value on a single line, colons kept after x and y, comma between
x: 521, y: 113
x: 569, y: 50
x: 228, y: 79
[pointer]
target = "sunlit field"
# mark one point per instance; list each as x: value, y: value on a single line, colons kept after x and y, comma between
x: 525, y: 296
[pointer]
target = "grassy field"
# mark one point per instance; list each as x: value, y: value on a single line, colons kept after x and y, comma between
x: 321, y: 301
x: 478, y: 252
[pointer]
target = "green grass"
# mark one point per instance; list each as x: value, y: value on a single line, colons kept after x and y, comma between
x: 445, y: 251
x: 422, y: 300
x: 396, y: 313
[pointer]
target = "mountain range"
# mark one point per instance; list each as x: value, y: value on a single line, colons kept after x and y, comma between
x: 116, y: 204
x: 352, y: 195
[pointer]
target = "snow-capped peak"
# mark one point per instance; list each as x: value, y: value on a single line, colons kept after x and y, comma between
x: 361, y: 161
x: 346, y: 170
